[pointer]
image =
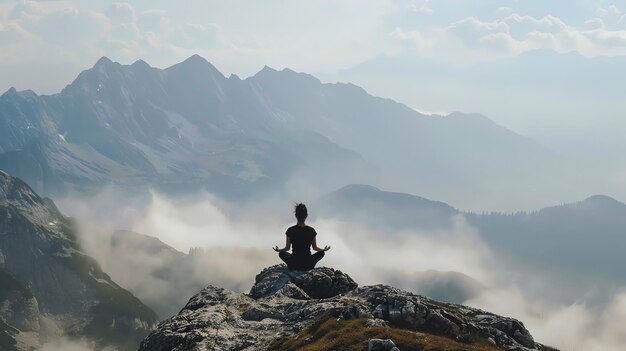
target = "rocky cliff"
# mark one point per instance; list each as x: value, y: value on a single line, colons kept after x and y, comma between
x: 49, y: 288
x: 324, y: 309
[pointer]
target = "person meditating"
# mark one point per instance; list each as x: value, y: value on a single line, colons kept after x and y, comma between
x: 303, y: 238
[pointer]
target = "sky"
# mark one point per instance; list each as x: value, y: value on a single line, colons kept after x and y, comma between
x: 44, y: 44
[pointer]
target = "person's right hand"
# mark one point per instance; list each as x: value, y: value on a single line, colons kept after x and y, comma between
x: 276, y: 248
x: 326, y: 248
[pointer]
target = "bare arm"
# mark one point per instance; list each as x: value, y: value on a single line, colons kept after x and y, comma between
x: 314, y: 245
x: 286, y: 248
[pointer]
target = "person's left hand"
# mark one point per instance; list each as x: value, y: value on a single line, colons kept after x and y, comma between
x: 326, y: 248
x: 276, y: 249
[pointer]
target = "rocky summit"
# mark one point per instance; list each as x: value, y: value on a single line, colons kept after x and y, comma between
x: 323, y: 309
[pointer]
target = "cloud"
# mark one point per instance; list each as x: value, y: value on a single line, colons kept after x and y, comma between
x: 11, y: 32
x: 237, y: 249
x: 515, y: 34
x: 121, y: 12
x: 25, y: 9
x: 507, y: 34
x: 60, y: 27
x: 567, y: 327
x: 66, y: 345
x: 608, y: 11
x: 520, y: 25
x: 155, y: 21
x: 414, y: 39
x: 197, y: 36
x: 594, y: 23
x: 421, y: 6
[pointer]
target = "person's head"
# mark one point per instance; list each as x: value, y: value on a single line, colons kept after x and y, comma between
x: 301, y: 212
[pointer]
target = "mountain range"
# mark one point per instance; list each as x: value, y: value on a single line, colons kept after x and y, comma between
x: 578, y: 244
x: 188, y: 127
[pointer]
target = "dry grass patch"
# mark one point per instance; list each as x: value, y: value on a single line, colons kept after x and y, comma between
x: 328, y: 333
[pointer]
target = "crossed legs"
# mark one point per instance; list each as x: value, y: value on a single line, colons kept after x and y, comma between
x: 301, y: 262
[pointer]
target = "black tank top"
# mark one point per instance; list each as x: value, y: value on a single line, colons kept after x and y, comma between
x: 301, y: 239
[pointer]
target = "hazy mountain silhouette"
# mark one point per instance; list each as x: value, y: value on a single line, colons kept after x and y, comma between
x: 185, y: 126
x: 452, y: 287
x: 555, y: 96
x: 382, y: 209
x: 582, y: 239
x: 189, y: 126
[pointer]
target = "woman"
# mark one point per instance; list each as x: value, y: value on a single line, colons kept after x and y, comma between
x: 303, y: 238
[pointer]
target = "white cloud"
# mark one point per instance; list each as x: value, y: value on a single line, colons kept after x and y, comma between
x: 121, y: 12
x: 154, y: 21
x: 568, y: 327
x: 521, y: 25
x: 421, y: 6
x: 24, y: 9
x: 412, y: 38
x: 61, y: 344
x: 514, y: 34
x: 197, y: 36
x: 611, y: 15
x: 60, y: 27
x: 611, y: 10
x: 10, y: 33
x: 594, y: 23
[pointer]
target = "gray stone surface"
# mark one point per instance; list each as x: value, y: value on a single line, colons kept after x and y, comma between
x: 319, y: 283
x: 217, y: 319
x: 381, y: 345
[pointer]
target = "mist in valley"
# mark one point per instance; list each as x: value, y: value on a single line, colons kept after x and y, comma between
x: 176, y: 246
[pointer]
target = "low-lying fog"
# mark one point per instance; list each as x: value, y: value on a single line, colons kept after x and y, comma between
x: 235, y: 244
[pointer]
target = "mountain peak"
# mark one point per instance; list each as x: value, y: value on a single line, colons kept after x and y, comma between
x: 267, y: 68
x: 285, y: 75
x: 16, y: 193
x: 12, y: 188
x: 602, y: 200
x: 140, y: 63
x: 11, y: 91
x: 103, y: 62
x: 196, y: 60
x: 359, y: 188
x: 196, y: 64
x: 24, y: 93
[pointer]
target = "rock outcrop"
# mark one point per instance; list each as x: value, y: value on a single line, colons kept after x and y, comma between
x: 50, y: 288
x: 283, y: 303
x: 320, y: 283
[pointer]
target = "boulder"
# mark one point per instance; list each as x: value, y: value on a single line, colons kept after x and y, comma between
x: 381, y: 345
x: 318, y: 283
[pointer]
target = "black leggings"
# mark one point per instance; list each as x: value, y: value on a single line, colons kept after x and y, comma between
x: 301, y: 262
